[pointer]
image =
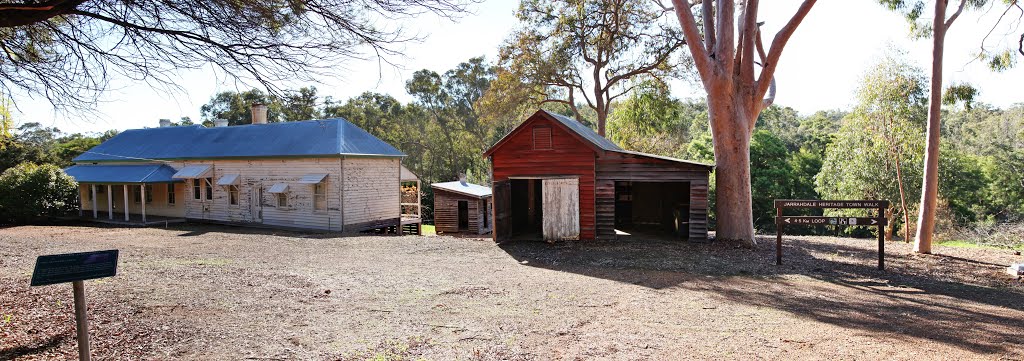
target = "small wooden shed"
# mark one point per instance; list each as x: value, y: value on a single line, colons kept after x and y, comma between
x: 461, y: 207
x: 554, y: 178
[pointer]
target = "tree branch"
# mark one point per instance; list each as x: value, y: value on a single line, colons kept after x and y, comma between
x: 700, y: 56
x: 747, y: 39
x: 12, y: 15
x: 778, y: 44
x: 725, y: 48
x: 955, y: 15
x: 707, y: 11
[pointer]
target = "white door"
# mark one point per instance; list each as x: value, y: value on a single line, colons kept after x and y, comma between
x: 256, y: 202
x: 561, y: 209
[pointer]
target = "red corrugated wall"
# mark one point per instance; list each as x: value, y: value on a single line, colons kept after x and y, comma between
x: 568, y: 157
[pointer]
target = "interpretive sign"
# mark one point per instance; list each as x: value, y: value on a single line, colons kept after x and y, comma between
x: 782, y: 221
x: 61, y: 268
x: 75, y: 268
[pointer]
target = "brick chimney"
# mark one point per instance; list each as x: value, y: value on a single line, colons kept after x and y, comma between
x: 259, y: 113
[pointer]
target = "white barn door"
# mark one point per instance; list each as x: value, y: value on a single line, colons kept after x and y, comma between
x: 561, y: 209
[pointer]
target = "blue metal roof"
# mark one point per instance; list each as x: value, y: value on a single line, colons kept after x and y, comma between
x: 329, y: 137
x: 584, y: 131
x: 122, y: 173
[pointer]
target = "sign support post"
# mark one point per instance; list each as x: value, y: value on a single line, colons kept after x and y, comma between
x: 76, y: 268
x: 881, y: 239
x: 778, y: 236
x: 82, y: 321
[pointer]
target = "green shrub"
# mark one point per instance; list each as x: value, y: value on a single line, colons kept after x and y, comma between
x: 30, y: 192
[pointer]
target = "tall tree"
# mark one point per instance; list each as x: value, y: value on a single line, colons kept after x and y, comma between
x: 724, y: 55
x: 913, y: 9
x: 878, y: 151
x: 585, y: 52
x: 67, y: 50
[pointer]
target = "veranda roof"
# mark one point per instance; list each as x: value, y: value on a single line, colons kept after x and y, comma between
x: 123, y: 173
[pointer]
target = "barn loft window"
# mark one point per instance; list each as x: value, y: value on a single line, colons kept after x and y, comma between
x: 541, y: 138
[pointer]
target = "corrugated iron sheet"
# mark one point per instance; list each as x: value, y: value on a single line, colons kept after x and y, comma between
x: 313, y: 178
x: 229, y: 180
x: 469, y: 189
x: 128, y: 173
x: 329, y: 137
x: 585, y: 132
x: 193, y: 171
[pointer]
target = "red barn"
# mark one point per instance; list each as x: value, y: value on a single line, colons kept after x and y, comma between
x: 556, y: 179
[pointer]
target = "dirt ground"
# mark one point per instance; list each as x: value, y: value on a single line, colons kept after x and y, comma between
x: 223, y: 293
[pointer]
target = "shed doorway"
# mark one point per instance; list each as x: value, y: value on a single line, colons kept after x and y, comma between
x: 463, y: 215
x: 545, y: 209
x: 652, y: 210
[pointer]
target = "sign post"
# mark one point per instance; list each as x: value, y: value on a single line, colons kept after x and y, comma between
x: 782, y: 221
x: 75, y: 268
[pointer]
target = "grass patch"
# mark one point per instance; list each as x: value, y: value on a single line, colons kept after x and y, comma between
x: 969, y: 244
x: 428, y: 230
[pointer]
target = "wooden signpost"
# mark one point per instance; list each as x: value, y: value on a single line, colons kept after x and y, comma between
x: 75, y: 268
x: 782, y: 221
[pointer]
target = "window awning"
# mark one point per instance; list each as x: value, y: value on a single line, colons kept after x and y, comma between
x: 278, y: 188
x: 193, y: 171
x: 229, y: 180
x: 127, y: 173
x: 313, y: 178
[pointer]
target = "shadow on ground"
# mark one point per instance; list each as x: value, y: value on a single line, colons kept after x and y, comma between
x: 954, y: 300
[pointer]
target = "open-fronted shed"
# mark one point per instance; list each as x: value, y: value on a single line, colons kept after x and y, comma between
x: 460, y: 207
x: 555, y: 178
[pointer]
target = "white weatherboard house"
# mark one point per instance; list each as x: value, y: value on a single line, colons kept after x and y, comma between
x: 318, y: 174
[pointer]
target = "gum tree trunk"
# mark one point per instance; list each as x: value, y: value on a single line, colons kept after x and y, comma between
x: 930, y: 183
x: 732, y: 173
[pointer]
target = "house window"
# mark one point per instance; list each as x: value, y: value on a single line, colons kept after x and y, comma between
x: 170, y: 194
x: 320, y: 196
x: 233, y: 195
x: 541, y: 138
x: 196, y: 189
x: 101, y: 190
x: 137, y: 194
x: 149, y: 193
x: 282, y: 200
x: 209, y: 188
x: 88, y: 190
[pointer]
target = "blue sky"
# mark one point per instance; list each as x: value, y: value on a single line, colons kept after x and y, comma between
x: 819, y: 69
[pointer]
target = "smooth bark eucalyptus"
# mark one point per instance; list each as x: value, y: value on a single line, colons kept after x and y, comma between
x: 724, y: 55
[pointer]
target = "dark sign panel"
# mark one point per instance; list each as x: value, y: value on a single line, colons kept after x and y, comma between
x: 60, y: 268
x: 831, y: 221
x: 791, y: 203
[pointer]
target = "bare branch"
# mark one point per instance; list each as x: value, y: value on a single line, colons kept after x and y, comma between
x: 700, y: 56
x: 768, y: 71
x: 725, y: 48
x: 707, y: 10
x: 956, y: 14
